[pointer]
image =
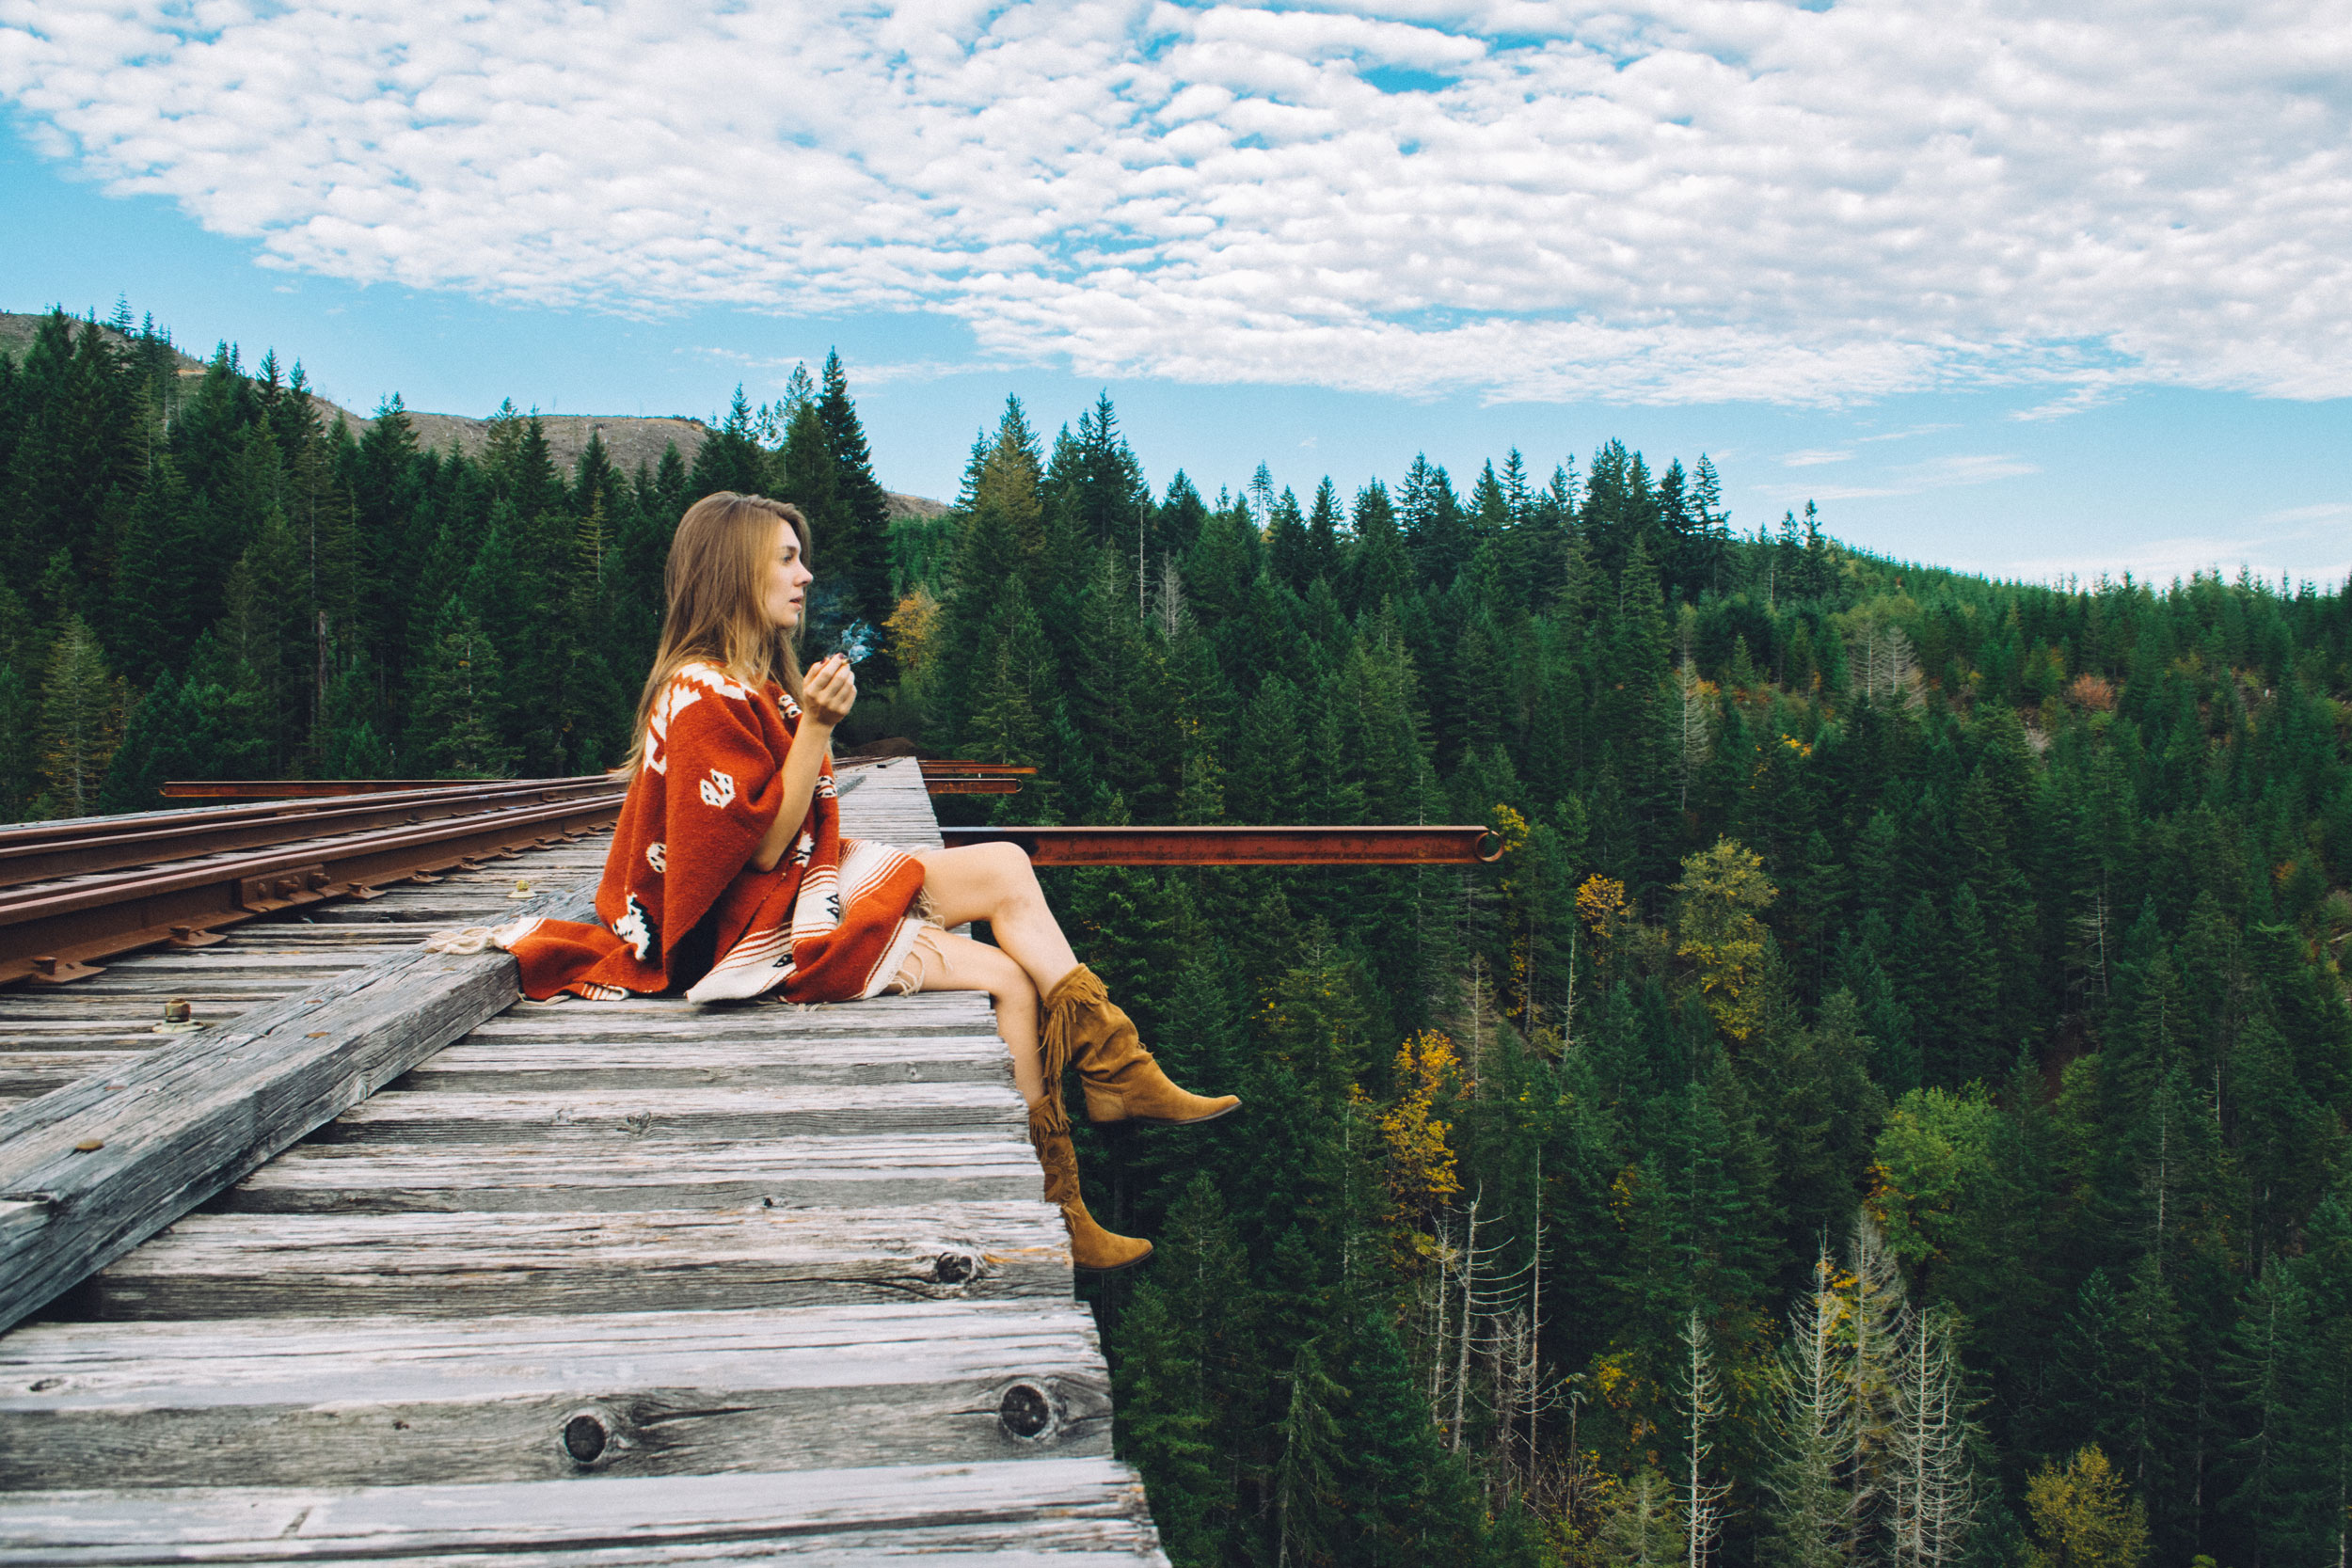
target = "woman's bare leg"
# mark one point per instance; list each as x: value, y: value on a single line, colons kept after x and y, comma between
x: 994, y: 883
x: 964, y: 964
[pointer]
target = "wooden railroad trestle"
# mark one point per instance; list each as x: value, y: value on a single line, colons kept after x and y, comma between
x: 619, y: 1282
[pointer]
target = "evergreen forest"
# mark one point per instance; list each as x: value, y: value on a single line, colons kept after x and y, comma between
x: 1888, y: 1104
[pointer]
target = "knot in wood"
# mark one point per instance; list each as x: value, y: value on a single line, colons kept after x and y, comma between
x: 954, y: 1267
x: 1027, y: 1413
x: 585, y: 1437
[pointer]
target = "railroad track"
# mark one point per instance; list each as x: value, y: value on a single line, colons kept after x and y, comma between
x: 77, y: 892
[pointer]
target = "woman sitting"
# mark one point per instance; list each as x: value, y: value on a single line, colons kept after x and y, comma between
x: 728, y: 878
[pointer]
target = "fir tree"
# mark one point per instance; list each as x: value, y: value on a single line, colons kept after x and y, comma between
x: 730, y: 457
x: 454, y: 722
x: 81, y: 704
x: 859, y: 550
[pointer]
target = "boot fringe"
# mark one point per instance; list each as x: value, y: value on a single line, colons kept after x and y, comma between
x: 1073, y: 994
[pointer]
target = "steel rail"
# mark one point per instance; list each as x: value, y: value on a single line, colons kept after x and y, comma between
x: 272, y: 807
x: 954, y: 776
x: 43, y: 851
x: 971, y: 787
x: 51, y: 931
x: 313, y: 790
x: 1356, y: 844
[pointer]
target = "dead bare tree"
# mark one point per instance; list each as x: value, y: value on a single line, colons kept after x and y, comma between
x: 1933, y: 1486
x: 1813, y: 1417
x: 1879, y: 1312
x: 1703, y: 1406
x: 1883, y: 661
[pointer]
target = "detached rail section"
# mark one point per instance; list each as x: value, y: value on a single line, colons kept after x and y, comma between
x: 397, y: 1267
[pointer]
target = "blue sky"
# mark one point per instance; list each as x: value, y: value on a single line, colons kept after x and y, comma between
x: 2017, y: 290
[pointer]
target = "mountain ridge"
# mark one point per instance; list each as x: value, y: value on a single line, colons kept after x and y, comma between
x: 628, y: 438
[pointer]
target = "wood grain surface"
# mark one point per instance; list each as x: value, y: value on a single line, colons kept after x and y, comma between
x: 1082, y: 1512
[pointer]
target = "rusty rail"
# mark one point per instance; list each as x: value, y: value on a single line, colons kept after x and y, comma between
x: 1357, y: 845
x: 955, y: 776
x: 313, y: 789
x: 165, y: 879
x: 41, y: 851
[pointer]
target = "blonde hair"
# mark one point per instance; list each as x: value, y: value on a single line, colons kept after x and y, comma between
x: 717, y: 558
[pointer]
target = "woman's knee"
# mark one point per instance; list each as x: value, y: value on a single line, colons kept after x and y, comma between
x: 1007, y: 868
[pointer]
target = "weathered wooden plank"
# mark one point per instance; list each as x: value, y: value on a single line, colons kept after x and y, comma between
x: 1073, y: 1511
x: 600, y: 1062
x: 618, y: 1116
x: 475, y: 1265
x: 959, y: 1013
x: 26, y: 1073
x: 643, y: 1173
x: 111, y: 1159
x: 345, y: 1402
x: 224, y: 963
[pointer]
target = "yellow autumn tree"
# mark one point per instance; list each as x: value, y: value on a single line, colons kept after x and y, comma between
x: 1421, y: 1174
x: 1601, y: 904
x: 1722, y: 891
x: 913, y: 630
x: 2085, y: 1516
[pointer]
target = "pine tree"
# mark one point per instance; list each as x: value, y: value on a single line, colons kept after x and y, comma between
x: 1429, y: 518
x: 1306, y: 1470
x: 81, y: 721
x: 730, y: 457
x: 1290, y: 549
x: 1323, y: 533
x: 1640, y: 1527
x: 1166, y: 1421
x: 351, y: 743
x: 1012, y: 685
x: 860, y: 551
x: 1379, y: 570
x: 155, y: 616
x: 454, y: 725
x: 808, y: 476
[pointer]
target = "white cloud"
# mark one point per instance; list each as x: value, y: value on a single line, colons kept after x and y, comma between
x: 1903, y: 434
x: 1939, y: 473
x: 2163, y: 561
x: 1691, y: 200
x: 2325, y: 511
x: 1813, y: 458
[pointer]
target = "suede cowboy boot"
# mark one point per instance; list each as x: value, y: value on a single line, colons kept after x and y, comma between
x: 1084, y: 1028
x: 1091, y: 1247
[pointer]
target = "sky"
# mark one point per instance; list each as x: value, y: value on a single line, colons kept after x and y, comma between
x: 2039, y: 290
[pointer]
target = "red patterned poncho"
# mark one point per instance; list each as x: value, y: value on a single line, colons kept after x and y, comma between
x: 828, y: 924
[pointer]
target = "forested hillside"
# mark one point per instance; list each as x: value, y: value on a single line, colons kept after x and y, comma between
x: 1888, y: 1106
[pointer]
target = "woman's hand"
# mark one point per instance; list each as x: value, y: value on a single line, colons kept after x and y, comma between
x: 828, y: 691
x: 828, y: 694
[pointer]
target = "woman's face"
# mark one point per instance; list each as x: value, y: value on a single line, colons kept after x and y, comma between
x: 783, y: 582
